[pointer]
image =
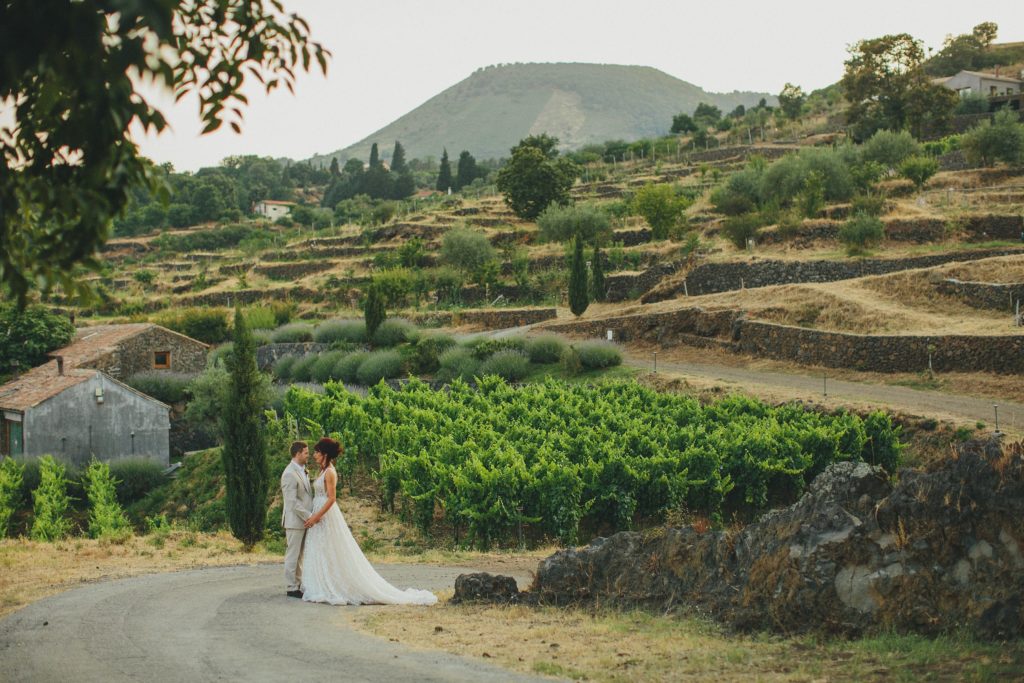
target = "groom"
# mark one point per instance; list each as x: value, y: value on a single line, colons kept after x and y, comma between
x: 298, y: 506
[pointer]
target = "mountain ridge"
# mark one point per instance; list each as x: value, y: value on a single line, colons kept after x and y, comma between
x: 494, y: 107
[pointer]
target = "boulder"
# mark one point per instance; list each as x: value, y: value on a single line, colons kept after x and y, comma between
x: 940, y: 550
x: 484, y: 587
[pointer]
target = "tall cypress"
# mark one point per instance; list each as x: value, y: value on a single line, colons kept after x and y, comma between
x: 597, y: 275
x: 374, y: 313
x: 374, y: 156
x: 398, y: 164
x: 335, y: 171
x: 245, y: 450
x: 578, y: 294
x: 444, y: 176
x: 466, y: 171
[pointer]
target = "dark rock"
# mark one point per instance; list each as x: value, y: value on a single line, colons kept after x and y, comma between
x: 939, y: 551
x: 484, y: 587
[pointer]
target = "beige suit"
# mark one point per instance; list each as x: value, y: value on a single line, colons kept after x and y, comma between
x: 297, y: 495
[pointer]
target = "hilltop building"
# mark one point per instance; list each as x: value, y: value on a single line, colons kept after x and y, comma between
x: 968, y: 83
x: 273, y: 208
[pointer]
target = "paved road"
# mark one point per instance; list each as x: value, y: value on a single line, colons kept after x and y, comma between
x: 223, y: 624
x: 914, y: 401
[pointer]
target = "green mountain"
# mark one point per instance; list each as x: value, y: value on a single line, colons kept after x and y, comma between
x: 497, y: 106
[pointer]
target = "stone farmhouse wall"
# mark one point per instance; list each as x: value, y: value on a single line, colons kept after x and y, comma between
x: 135, y: 354
x: 501, y: 318
x: 998, y: 297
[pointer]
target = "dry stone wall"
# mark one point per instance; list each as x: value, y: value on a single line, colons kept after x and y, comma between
x: 998, y: 297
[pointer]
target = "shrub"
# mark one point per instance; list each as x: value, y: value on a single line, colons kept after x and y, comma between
x: 347, y: 367
x: 509, y: 365
x: 168, y: 387
x: 208, y: 391
x: 219, y: 354
x: 741, y: 193
x: 1000, y: 140
x: 861, y: 232
x: 545, y: 350
x: 293, y: 333
x: 458, y: 363
x: 918, y: 170
x: 10, y: 491
x: 283, y: 367
x: 393, y: 331
x: 562, y: 223
x: 467, y: 250
x: 379, y: 365
x: 868, y: 204
x: 598, y: 354
x: 738, y: 229
x: 351, y: 330
x: 262, y: 337
x: 208, y: 325
x: 426, y: 352
x: 50, y: 502
x: 323, y: 369
x: 302, y: 370
x: 374, y: 311
x: 786, y: 179
x: 661, y: 206
x: 26, y: 336
x: 485, y: 347
x: 134, y: 478
x: 260, y: 318
x: 889, y: 148
x: 106, y: 518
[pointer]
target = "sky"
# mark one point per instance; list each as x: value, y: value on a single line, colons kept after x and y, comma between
x: 390, y: 56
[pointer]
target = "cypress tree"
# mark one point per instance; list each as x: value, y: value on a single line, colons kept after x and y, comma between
x: 398, y: 164
x: 374, y: 313
x: 444, y: 176
x: 578, y: 295
x: 374, y: 156
x: 245, y: 450
x: 597, y: 276
x: 335, y: 171
x: 466, y: 171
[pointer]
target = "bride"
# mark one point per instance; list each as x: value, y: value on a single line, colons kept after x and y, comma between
x: 335, y: 570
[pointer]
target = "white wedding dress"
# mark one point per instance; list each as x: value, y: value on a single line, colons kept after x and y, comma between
x: 335, y: 571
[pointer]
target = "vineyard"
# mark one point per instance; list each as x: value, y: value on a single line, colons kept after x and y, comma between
x: 500, y: 464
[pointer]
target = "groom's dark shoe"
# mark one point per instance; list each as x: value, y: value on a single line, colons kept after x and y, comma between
x: 294, y: 594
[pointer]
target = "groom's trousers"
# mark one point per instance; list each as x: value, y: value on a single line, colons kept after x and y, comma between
x: 293, y: 558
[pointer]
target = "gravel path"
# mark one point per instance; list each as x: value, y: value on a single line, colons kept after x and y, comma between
x: 222, y: 624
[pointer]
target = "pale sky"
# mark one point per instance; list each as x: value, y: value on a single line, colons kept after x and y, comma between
x: 390, y: 56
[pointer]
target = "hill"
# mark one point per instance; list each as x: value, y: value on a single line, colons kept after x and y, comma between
x: 497, y: 106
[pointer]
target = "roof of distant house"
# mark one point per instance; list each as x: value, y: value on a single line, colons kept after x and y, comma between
x: 989, y: 77
x: 280, y: 202
x: 40, y: 384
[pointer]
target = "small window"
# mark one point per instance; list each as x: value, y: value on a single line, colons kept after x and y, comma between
x: 162, y: 360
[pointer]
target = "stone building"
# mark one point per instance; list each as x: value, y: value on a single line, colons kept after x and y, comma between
x: 75, y: 413
x: 272, y: 208
x: 124, y: 350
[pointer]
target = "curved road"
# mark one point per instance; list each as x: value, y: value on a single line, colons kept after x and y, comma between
x: 223, y: 624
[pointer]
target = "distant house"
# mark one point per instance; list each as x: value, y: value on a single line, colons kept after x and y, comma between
x: 968, y: 83
x: 272, y: 208
x: 124, y: 350
x: 74, y: 414
x: 76, y: 405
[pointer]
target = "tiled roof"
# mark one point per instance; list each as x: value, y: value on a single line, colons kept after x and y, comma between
x: 276, y: 201
x: 98, y: 341
x: 39, y: 384
x: 992, y: 77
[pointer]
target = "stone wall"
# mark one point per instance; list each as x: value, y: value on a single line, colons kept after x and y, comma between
x: 999, y: 297
x: 994, y: 227
x: 1002, y: 354
x: 662, y: 328
x: 292, y: 271
x: 502, y: 318
x: 626, y: 286
x: 250, y: 296
x: 709, y: 278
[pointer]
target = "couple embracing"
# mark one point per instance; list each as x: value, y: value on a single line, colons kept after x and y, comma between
x: 323, y: 562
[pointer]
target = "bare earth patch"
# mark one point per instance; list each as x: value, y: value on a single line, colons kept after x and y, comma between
x: 637, y: 646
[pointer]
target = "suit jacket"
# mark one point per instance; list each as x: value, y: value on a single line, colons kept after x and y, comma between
x: 297, y: 494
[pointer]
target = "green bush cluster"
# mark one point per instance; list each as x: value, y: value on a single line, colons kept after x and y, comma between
x: 169, y: 387
x: 134, y: 478
x: 458, y: 363
x: 394, y: 331
x: 861, y: 232
x: 10, y: 492
x: 351, y: 331
x: 26, y: 336
x: 293, y: 333
x: 208, y: 325
x: 510, y: 365
x: 552, y: 457
x: 221, y: 237
x: 598, y: 355
x: 545, y: 349
x: 379, y: 365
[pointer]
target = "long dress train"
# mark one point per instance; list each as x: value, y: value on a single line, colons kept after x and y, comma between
x: 335, y: 571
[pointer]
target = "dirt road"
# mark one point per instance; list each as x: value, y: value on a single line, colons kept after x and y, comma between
x: 223, y: 624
